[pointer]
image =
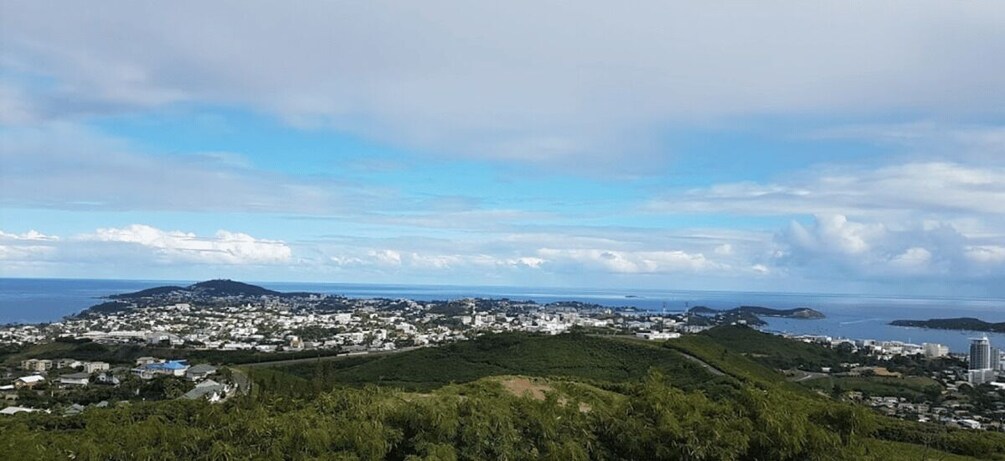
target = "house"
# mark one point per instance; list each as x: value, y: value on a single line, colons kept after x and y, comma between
x: 200, y: 372
x: 28, y: 381
x: 108, y: 377
x: 160, y: 337
x: 75, y: 379
x: 169, y: 368
x: 657, y: 335
x: 74, y: 409
x: 13, y: 410
x: 36, y: 365
x: 91, y: 367
x: 209, y: 390
x: 147, y: 361
x: 68, y: 363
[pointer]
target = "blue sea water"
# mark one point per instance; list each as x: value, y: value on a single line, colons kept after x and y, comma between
x: 849, y: 316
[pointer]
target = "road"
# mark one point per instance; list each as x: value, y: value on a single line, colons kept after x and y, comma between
x: 711, y: 368
x: 708, y: 366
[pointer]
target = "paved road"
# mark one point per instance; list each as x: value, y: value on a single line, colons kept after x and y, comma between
x: 806, y: 376
x: 708, y: 366
x: 711, y: 368
x: 242, y: 380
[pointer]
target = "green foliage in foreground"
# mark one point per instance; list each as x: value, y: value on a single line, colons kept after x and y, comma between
x: 481, y: 420
x: 570, y: 355
x: 603, y: 399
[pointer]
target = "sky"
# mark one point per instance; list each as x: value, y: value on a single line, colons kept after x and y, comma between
x: 829, y: 146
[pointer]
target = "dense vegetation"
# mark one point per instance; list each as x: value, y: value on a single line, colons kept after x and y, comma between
x: 913, y: 388
x: 962, y: 323
x: 772, y: 351
x: 481, y: 420
x: 587, y: 358
x: 594, y: 398
x: 209, y: 288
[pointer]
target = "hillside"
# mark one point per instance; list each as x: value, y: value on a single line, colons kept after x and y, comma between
x: 797, y: 313
x: 961, y: 323
x: 577, y: 397
x: 215, y: 288
x: 751, y: 315
x: 571, y: 355
x: 774, y: 351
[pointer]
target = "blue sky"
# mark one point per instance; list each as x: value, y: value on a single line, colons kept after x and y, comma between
x: 782, y: 146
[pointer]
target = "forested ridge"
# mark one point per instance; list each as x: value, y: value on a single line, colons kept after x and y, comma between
x: 503, y: 397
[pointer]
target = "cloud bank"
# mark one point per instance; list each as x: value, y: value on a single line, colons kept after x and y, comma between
x: 529, y: 81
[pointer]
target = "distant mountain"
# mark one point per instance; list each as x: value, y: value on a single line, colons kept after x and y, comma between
x: 214, y: 288
x: 758, y: 311
x: 961, y: 323
x: 171, y: 293
x: 110, y: 307
x: 230, y: 288
x: 151, y: 292
x: 703, y: 310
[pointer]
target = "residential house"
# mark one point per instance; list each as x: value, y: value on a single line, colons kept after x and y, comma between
x: 147, y: 361
x: 36, y: 365
x: 200, y: 372
x: 91, y: 367
x: 209, y: 390
x: 68, y: 363
x: 75, y: 379
x: 169, y: 368
x: 28, y: 381
x: 108, y: 377
x: 14, y: 410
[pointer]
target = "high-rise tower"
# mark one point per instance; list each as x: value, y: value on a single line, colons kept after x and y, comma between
x: 981, y: 367
x: 980, y: 354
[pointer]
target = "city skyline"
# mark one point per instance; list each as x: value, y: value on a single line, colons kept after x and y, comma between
x: 662, y: 146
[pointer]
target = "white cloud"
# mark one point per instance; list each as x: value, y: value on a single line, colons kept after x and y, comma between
x: 29, y: 235
x: 544, y: 81
x: 387, y: 257
x: 27, y: 246
x: 841, y: 249
x: 184, y: 247
x: 936, y: 188
x: 142, y: 245
x: 986, y: 254
x: 625, y: 262
x: 914, y: 259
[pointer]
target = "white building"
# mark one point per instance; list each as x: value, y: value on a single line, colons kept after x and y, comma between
x: 75, y: 379
x: 91, y: 367
x: 657, y: 335
x: 933, y: 350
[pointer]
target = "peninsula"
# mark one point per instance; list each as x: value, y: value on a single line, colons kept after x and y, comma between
x: 961, y: 323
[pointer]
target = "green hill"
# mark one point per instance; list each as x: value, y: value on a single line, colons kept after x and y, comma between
x: 775, y: 351
x: 962, y: 323
x: 570, y: 355
x: 508, y: 396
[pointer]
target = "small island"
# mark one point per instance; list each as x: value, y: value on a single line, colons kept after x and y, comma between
x: 961, y: 323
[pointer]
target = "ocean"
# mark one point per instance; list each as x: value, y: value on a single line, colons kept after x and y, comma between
x: 848, y: 316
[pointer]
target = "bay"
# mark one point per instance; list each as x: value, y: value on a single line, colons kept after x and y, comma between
x: 25, y: 300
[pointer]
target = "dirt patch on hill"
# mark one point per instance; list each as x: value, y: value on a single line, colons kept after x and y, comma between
x: 525, y: 387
